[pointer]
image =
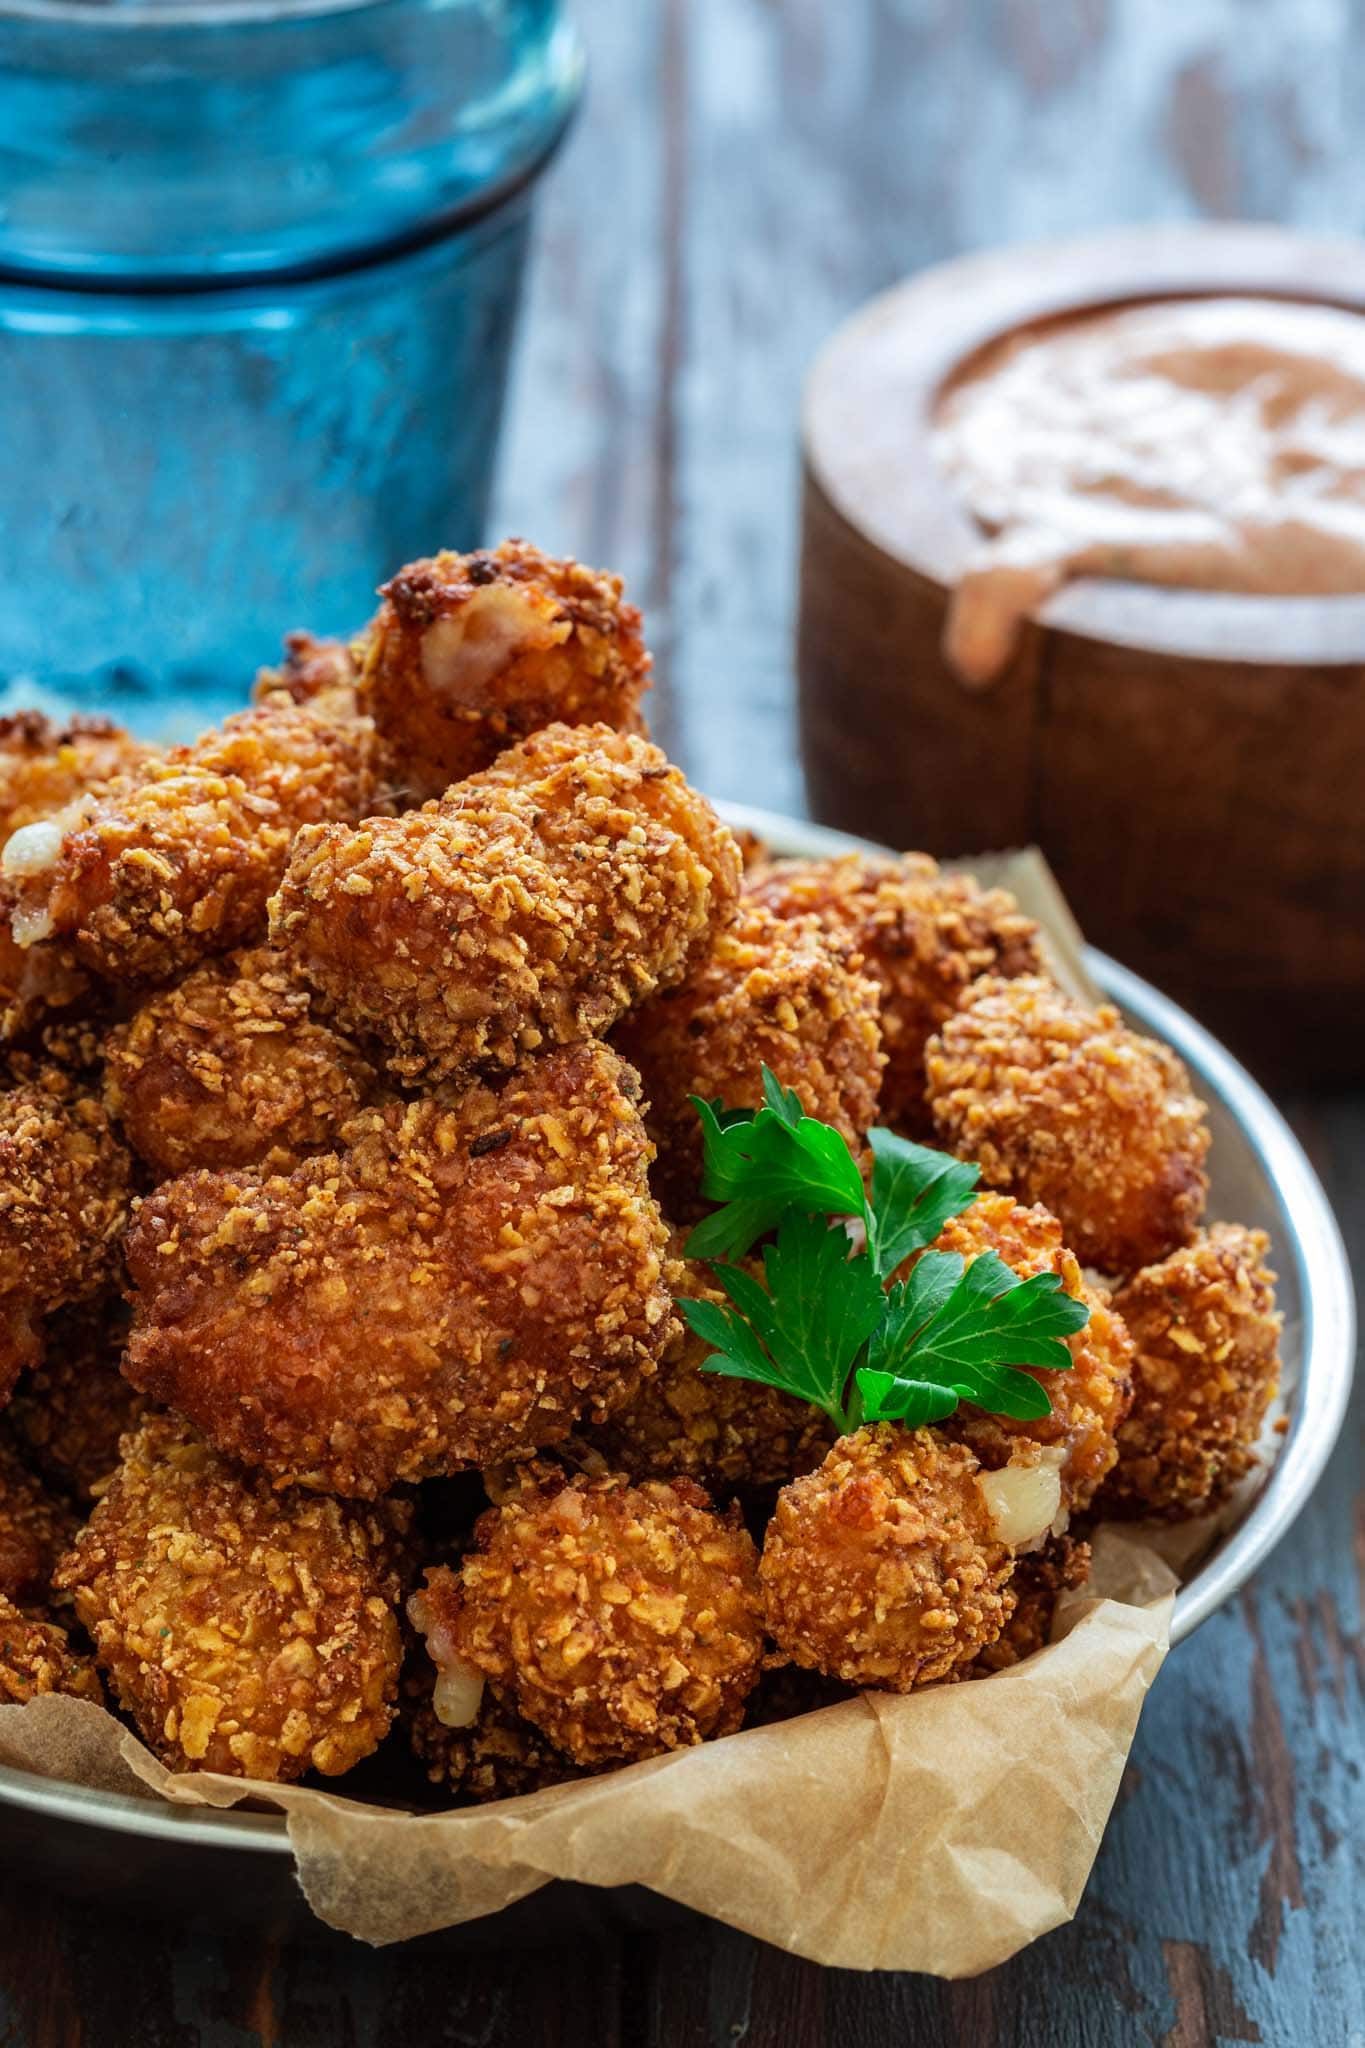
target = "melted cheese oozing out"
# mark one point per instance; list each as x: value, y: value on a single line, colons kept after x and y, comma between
x: 32, y: 850
x: 458, y: 1693
x: 1022, y: 1501
x: 462, y: 654
x: 1206, y: 444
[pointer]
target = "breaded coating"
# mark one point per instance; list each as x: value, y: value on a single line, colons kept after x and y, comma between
x: 244, y: 1630
x: 497, y: 1755
x: 1065, y: 1106
x: 44, y: 766
x: 68, y: 1414
x: 530, y: 908
x: 35, y: 1528
x: 64, y: 1194
x: 470, y: 653
x: 1040, y: 1577
x: 882, y: 1567
x: 37, y: 1657
x: 924, y: 938
x: 35, y: 981
x: 1206, y: 1334
x: 1091, y: 1398
x: 179, y: 862
x: 459, y: 1285
x: 311, y: 668
x: 620, y: 1620
x: 769, y: 990
x: 231, y: 1067
x: 725, y: 1434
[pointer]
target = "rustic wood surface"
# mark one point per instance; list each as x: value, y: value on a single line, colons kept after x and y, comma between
x: 749, y: 170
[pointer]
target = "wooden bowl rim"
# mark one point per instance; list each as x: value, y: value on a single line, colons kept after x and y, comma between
x: 888, y: 363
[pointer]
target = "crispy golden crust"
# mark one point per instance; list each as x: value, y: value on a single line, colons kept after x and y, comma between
x: 37, y: 1657
x: 178, y: 863
x: 245, y: 1630
x: 470, y: 653
x: 1065, y: 1106
x: 1040, y: 1577
x: 231, y: 1068
x: 68, y: 1414
x: 311, y: 668
x: 43, y: 765
x: 459, y: 1286
x: 772, y: 991
x: 881, y: 1567
x: 1090, y: 1400
x: 35, y: 981
x: 721, y: 1432
x: 497, y: 1756
x: 924, y: 938
x: 530, y: 908
x: 64, y: 1193
x: 35, y: 1528
x: 620, y: 1620
x: 44, y: 768
x: 1207, y: 1362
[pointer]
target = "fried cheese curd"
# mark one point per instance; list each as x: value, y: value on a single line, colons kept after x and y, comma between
x: 726, y: 1434
x: 43, y: 768
x: 1040, y: 1579
x: 883, y: 1566
x: 244, y: 1629
x: 459, y: 1284
x: 619, y: 1620
x: 35, y: 1528
x: 1089, y: 1399
x: 231, y: 1067
x: 530, y: 907
x: 1066, y: 1106
x: 178, y: 861
x: 1206, y: 1336
x: 924, y: 937
x: 470, y: 653
x: 69, y: 1412
x: 768, y: 991
x: 38, y: 1657
x: 65, y: 1186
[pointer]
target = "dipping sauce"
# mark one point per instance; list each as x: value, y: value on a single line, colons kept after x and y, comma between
x: 1212, y: 444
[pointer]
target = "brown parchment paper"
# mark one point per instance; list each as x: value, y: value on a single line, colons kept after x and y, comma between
x: 938, y: 1832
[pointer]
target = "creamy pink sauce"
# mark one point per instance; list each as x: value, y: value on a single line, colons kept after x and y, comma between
x: 1211, y: 444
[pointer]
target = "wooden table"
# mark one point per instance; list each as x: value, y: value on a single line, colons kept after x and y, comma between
x: 747, y: 171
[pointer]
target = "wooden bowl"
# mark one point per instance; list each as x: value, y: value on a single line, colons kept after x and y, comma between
x: 1192, y: 763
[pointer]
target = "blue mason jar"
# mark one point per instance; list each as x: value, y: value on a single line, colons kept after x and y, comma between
x: 259, y: 273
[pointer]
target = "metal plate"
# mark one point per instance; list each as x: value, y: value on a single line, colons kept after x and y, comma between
x: 1260, y: 1175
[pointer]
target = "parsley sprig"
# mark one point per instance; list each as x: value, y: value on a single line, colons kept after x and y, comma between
x: 828, y: 1322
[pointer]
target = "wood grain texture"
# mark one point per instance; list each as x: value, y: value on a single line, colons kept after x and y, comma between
x: 749, y: 170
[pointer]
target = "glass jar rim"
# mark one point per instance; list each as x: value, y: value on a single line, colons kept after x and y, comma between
x: 182, y: 14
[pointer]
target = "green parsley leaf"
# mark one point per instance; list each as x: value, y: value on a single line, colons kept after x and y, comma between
x: 809, y: 1323
x: 915, y: 1191
x: 763, y: 1164
x: 965, y: 1334
x: 823, y: 1324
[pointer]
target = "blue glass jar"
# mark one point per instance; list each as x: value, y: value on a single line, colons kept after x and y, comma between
x: 259, y: 273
